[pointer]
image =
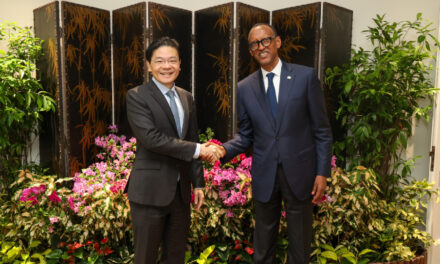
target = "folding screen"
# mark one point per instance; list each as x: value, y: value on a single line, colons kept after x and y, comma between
x: 247, y: 16
x: 336, y: 47
x: 299, y: 30
x: 129, y: 69
x: 46, y: 26
x: 87, y: 70
x: 81, y: 81
x: 176, y: 23
x: 213, y: 69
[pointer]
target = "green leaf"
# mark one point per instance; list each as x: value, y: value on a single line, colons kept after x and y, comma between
x: 205, y: 254
x: 34, y: 243
x: 348, y: 86
x: 40, y: 257
x: 13, y: 253
x: 366, y: 251
x: 330, y: 255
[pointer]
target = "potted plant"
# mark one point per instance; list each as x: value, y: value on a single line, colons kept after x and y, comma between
x: 376, y: 213
x: 380, y: 93
x: 22, y: 98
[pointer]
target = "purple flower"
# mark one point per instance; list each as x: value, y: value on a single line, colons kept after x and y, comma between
x: 229, y: 214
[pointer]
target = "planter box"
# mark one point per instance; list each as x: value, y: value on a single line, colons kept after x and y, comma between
x: 422, y: 259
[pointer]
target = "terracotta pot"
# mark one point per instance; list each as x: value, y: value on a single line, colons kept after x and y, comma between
x: 422, y: 259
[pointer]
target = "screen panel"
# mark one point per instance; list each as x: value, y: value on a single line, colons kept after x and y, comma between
x: 298, y: 28
x: 175, y: 23
x: 336, y: 47
x: 213, y: 69
x: 46, y: 27
x: 88, y: 80
x: 129, y: 68
x: 247, y: 16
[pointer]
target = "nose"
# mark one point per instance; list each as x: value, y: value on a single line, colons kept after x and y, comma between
x: 166, y: 64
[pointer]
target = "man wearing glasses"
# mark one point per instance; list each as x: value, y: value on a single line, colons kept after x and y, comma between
x: 281, y: 113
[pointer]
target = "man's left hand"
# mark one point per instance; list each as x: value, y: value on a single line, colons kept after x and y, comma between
x: 198, y: 198
x: 319, y: 188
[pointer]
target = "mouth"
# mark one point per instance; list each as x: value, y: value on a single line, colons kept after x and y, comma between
x: 263, y: 54
x: 167, y: 74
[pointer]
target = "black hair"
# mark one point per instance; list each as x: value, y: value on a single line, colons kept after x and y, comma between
x: 163, y: 41
x: 263, y: 24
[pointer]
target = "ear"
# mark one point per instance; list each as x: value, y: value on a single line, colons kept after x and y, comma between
x: 149, y: 67
x: 278, y: 42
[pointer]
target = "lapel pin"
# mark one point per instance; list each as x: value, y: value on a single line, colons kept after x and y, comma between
x: 289, y: 77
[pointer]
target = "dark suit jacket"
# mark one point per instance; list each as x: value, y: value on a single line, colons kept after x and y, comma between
x: 301, y: 139
x: 160, y: 154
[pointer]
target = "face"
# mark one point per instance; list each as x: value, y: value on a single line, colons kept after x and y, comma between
x: 267, y: 57
x: 165, y: 65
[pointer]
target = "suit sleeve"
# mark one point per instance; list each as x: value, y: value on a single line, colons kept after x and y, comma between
x: 141, y: 121
x: 320, y: 126
x: 244, y: 138
x: 197, y: 178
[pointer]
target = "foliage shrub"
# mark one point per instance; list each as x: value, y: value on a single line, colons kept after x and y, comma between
x: 357, y: 218
x: 380, y: 92
x: 22, y: 98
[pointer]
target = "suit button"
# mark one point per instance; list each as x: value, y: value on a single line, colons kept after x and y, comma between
x: 277, y: 138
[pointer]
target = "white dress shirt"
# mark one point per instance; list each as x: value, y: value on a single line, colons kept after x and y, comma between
x: 276, y: 78
x: 163, y: 89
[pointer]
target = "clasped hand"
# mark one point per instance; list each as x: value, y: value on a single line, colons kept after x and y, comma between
x: 211, y: 152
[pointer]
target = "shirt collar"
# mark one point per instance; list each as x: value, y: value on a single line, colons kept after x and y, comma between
x: 276, y: 70
x: 163, y: 88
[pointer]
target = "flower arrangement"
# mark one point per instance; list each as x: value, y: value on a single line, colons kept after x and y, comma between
x: 97, y: 194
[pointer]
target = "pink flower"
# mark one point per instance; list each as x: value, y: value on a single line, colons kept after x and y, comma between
x: 229, y: 214
x: 325, y: 198
x: 33, y: 200
x: 53, y: 219
x: 113, y: 128
x: 283, y: 213
x: 132, y: 140
x: 54, y: 197
x: 215, y: 141
x: 334, y: 162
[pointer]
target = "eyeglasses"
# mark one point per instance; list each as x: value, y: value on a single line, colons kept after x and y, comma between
x: 171, y: 61
x: 265, y: 42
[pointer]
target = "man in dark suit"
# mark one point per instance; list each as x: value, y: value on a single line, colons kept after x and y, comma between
x: 163, y: 119
x: 281, y: 113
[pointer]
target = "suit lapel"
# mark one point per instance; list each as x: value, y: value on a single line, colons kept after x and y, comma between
x: 286, y: 85
x: 185, y: 105
x: 260, y: 94
x: 159, y: 97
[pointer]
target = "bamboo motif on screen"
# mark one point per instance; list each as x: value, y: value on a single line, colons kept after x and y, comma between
x: 220, y: 86
x: 289, y: 20
x: 86, y: 33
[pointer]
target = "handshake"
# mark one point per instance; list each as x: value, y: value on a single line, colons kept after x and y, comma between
x: 211, y: 152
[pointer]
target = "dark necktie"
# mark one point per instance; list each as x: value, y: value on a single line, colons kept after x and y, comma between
x: 173, y: 107
x: 271, y: 96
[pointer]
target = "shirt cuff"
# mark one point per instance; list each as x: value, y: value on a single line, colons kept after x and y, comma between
x: 197, y: 152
